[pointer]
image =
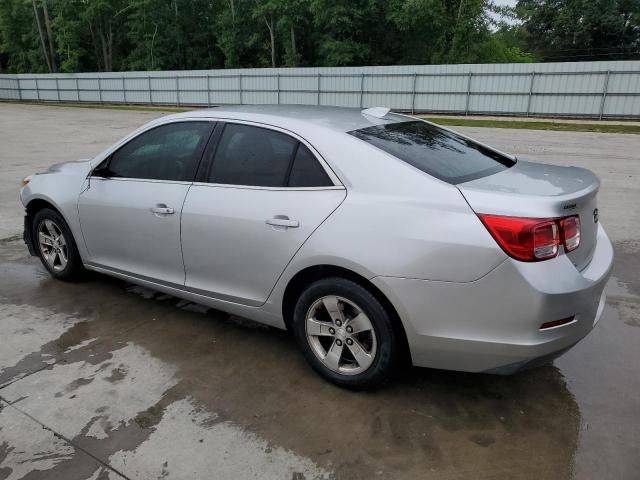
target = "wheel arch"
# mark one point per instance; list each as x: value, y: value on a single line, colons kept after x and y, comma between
x: 310, y: 274
x: 32, y: 208
x: 36, y: 204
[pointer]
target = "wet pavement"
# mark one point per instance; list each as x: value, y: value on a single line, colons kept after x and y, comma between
x: 106, y: 380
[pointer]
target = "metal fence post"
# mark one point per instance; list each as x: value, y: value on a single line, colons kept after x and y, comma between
x: 100, y: 88
x: 124, y: 90
x: 178, y: 90
x: 318, y: 96
x: 208, y: 90
x: 278, y: 87
x: 413, y: 93
x: 533, y: 77
x: 19, y: 89
x: 150, y: 91
x: 37, y: 89
x: 77, y: 89
x: 57, y: 89
x: 361, y: 88
x: 604, y: 94
x: 466, y: 108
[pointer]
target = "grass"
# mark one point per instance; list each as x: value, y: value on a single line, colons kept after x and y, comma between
x: 447, y: 121
x: 535, y: 125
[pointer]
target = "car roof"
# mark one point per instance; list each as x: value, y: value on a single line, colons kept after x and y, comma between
x: 297, y: 118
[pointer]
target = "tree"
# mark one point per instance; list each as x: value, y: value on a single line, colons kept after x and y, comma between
x: 268, y: 11
x: 108, y: 35
x: 20, y: 48
x: 295, y: 16
x: 47, y: 54
x: 581, y: 29
x: 236, y: 32
x: 341, y: 25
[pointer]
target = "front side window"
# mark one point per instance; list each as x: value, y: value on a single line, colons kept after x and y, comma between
x: 438, y: 152
x: 255, y: 156
x: 168, y: 152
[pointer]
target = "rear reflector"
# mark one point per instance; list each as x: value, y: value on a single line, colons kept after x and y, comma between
x: 557, y: 323
x: 533, y: 239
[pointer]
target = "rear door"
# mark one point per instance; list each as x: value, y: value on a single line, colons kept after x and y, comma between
x: 130, y: 214
x: 261, y: 194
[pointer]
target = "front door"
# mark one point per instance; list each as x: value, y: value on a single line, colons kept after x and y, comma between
x: 130, y: 214
x: 264, y: 194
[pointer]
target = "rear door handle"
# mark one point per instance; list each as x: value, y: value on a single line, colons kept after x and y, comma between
x: 162, y: 209
x: 282, y: 221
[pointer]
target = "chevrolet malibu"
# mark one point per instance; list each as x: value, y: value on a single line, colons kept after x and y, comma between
x: 374, y: 237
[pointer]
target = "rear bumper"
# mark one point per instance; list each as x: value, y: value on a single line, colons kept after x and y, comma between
x: 492, y: 324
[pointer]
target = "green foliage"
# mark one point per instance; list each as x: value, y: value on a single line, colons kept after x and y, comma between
x: 560, y: 30
x: 99, y: 35
x: 19, y: 47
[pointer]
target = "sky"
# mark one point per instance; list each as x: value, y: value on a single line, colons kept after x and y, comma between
x: 503, y: 3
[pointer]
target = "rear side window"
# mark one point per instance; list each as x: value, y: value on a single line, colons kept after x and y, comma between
x: 306, y: 171
x: 438, y: 152
x: 255, y: 156
x: 168, y: 152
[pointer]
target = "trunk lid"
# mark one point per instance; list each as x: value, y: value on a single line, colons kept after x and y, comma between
x: 539, y: 190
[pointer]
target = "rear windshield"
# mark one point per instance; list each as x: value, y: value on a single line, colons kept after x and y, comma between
x: 438, y: 152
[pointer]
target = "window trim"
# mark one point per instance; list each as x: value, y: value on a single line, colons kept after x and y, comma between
x: 212, y: 124
x: 209, y: 153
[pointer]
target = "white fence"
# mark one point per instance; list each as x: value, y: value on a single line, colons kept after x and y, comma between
x: 576, y: 89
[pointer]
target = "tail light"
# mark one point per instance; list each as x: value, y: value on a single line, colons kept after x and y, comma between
x: 570, y: 227
x: 533, y: 239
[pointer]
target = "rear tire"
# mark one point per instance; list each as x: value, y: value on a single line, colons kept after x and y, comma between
x: 345, y: 334
x: 56, y: 246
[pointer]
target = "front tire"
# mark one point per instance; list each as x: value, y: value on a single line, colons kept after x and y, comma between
x: 55, y: 246
x: 345, y: 333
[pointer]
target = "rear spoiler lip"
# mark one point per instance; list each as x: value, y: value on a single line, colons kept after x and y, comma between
x: 523, y: 205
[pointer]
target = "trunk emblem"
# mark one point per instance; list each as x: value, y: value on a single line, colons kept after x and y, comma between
x: 595, y: 215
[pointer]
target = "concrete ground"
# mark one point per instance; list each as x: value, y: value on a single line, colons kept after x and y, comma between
x: 106, y: 380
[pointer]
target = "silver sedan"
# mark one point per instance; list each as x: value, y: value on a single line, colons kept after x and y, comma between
x: 376, y: 238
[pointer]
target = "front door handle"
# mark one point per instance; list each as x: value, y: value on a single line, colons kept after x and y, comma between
x: 282, y: 221
x: 162, y: 209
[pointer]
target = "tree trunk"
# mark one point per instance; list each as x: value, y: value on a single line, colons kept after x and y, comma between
x: 96, y: 47
x: 232, y: 6
x: 106, y: 41
x: 110, y: 48
x: 42, y: 42
x: 272, y: 38
x: 47, y: 24
x: 153, y: 40
x: 293, y: 42
x: 105, y: 54
x: 456, y: 30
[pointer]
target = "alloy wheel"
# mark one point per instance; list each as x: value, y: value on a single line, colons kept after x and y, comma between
x: 341, y: 335
x: 53, y: 245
